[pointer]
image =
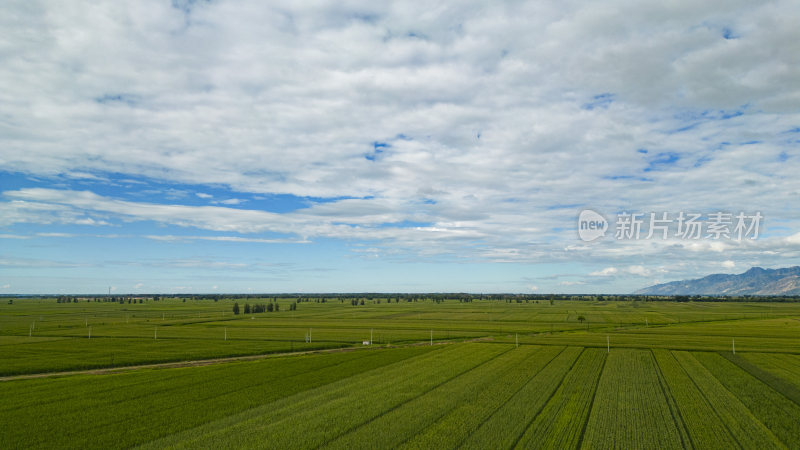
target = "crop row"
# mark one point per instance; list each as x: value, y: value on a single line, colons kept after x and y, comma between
x: 774, y: 410
x: 476, y: 395
x: 402, y: 423
x: 561, y: 422
x: 451, y: 429
x: 314, y: 417
x: 62, y: 354
x: 503, y: 428
x: 705, y: 429
x: 784, y: 365
x: 746, y: 429
x: 630, y: 409
x: 121, y: 410
x: 780, y: 372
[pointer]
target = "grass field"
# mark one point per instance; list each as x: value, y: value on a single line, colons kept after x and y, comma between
x: 498, y: 375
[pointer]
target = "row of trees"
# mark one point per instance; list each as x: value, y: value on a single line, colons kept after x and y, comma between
x: 260, y: 308
x: 120, y: 300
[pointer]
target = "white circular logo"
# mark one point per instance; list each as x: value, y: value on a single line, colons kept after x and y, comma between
x: 591, y: 225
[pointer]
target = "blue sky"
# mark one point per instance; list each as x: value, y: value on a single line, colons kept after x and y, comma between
x: 224, y: 146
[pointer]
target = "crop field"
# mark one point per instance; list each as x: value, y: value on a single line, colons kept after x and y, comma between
x: 482, y: 374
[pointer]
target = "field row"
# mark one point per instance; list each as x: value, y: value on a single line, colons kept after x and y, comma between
x: 48, y: 348
x: 462, y: 395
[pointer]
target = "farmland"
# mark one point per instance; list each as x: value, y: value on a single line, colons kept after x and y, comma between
x: 444, y: 374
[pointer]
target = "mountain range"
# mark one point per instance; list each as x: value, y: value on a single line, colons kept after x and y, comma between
x: 756, y: 281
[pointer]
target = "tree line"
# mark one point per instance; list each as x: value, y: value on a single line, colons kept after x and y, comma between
x: 261, y: 308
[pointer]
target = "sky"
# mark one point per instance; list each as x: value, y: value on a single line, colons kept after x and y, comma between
x: 361, y: 146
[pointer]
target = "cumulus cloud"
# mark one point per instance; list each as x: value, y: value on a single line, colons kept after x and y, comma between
x: 230, y: 201
x: 471, y: 130
x: 637, y: 270
x: 608, y: 271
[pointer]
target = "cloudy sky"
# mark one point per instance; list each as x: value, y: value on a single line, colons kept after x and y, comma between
x: 237, y: 146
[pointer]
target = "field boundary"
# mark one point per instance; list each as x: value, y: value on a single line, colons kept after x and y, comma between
x: 549, y: 397
x: 780, y: 386
x: 591, y: 403
x: 393, y: 408
x: 203, y: 362
x: 705, y: 397
x: 677, y: 417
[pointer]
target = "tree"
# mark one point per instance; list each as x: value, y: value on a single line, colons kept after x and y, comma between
x: 236, y: 308
x: 277, y: 307
x: 247, y: 308
x: 269, y: 307
x: 581, y: 319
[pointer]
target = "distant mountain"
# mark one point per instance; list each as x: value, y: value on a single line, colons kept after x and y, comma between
x: 756, y: 281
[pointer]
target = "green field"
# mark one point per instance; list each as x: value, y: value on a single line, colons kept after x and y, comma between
x: 498, y: 375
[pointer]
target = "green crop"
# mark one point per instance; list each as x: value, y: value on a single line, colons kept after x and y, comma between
x: 530, y: 376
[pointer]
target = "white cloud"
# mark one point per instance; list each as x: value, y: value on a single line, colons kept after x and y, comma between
x: 173, y: 238
x: 793, y: 239
x: 6, y: 286
x: 491, y: 125
x: 608, y: 271
x: 638, y: 270
x: 728, y: 264
x: 230, y: 201
x: 138, y: 285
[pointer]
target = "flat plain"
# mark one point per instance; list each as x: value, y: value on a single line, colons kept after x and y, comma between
x: 436, y: 374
